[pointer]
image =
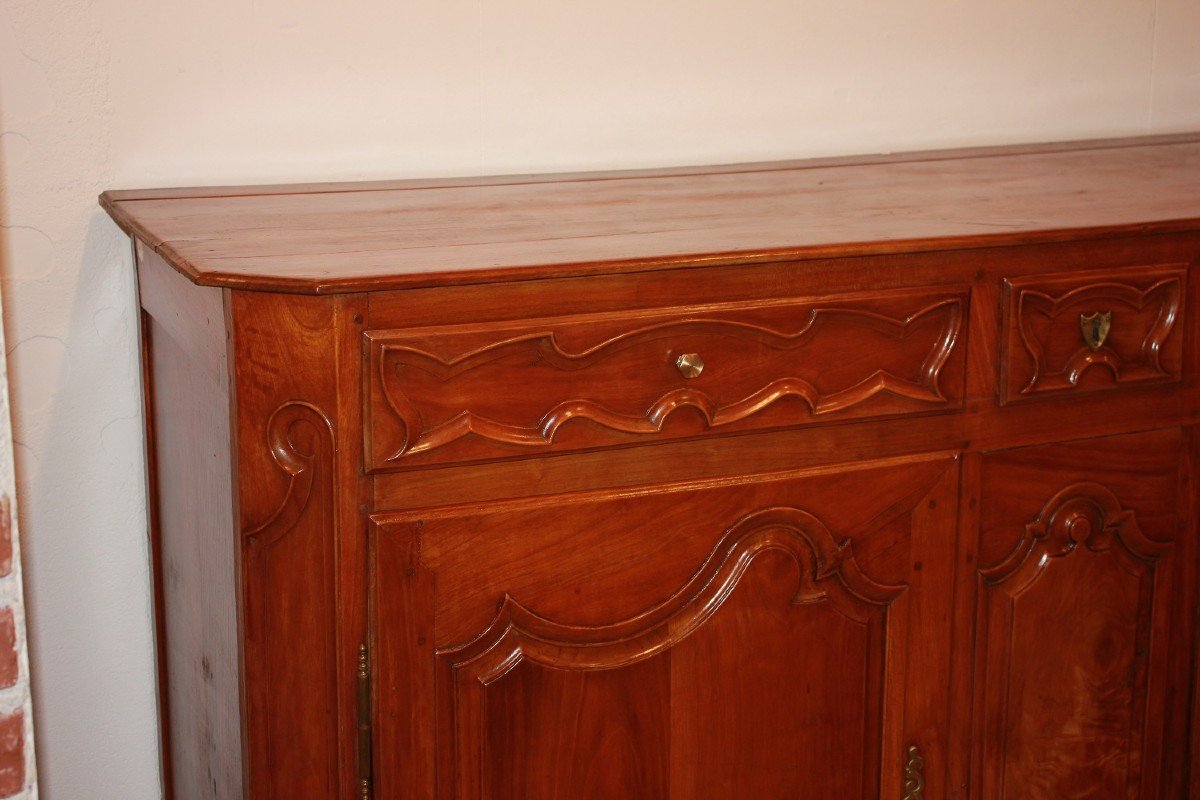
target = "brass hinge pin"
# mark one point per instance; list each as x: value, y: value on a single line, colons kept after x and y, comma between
x: 364, y: 724
x: 914, y: 775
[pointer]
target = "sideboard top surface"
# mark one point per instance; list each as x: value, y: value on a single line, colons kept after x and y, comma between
x: 327, y: 238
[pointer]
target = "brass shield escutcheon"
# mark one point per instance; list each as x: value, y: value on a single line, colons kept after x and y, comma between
x: 1095, y: 328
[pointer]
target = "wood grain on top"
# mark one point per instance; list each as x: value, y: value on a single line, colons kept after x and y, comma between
x: 325, y: 238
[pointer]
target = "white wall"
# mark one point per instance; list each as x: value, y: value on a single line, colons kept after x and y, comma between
x: 97, y: 94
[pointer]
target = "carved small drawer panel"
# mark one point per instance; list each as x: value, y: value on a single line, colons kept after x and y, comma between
x: 476, y: 392
x: 1082, y: 332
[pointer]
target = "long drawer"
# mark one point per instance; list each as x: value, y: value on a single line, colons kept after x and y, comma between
x: 510, y: 389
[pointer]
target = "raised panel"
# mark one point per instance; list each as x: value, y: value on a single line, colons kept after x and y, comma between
x: 1074, y: 636
x: 776, y: 667
x: 767, y: 623
x: 1093, y: 331
x: 476, y: 392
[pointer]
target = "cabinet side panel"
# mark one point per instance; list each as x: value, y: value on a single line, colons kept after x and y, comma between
x: 192, y: 532
x: 298, y: 502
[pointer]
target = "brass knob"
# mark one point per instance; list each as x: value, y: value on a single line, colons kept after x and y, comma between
x: 690, y: 365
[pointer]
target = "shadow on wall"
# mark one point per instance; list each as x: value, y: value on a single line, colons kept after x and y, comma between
x: 84, y: 561
x: 67, y: 346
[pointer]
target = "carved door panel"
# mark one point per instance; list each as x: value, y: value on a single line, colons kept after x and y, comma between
x: 778, y: 636
x: 1081, y: 654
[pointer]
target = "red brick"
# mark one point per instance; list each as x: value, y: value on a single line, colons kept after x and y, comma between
x: 9, y: 668
x: 6, y: 543
x: 12, y: 754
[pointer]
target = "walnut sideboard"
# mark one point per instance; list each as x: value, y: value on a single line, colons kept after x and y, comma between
x: 833, y: 480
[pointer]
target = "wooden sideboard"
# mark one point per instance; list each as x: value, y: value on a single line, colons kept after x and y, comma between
x: 835, y: 480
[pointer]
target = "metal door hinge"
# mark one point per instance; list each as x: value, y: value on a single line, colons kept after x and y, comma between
x: 364, y: 724
x: 914, y: 775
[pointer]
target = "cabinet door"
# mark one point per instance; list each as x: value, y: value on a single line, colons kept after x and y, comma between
x: 1084, y: 620
x: 779, y: 636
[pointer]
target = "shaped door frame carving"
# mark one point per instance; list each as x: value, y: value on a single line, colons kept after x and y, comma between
x: 1081, y: 516
x: 828, y: 571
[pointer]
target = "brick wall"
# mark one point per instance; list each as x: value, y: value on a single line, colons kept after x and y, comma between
x: 18, y: 777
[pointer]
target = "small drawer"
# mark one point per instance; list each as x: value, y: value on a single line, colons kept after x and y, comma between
x: 477, y: 392
x: 1092, y: 331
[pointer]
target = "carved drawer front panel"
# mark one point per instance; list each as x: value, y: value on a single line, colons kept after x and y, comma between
x: 1078, y: 332
x: 1083, y: 622
x: 706, y: 642
x: 505, y: 389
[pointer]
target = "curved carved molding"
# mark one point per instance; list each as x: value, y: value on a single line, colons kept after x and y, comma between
x: 1082, y: 514
x: 828, y: 571
x: 545, y: 349
x: 1166, y: 293
x: 300, y: 438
